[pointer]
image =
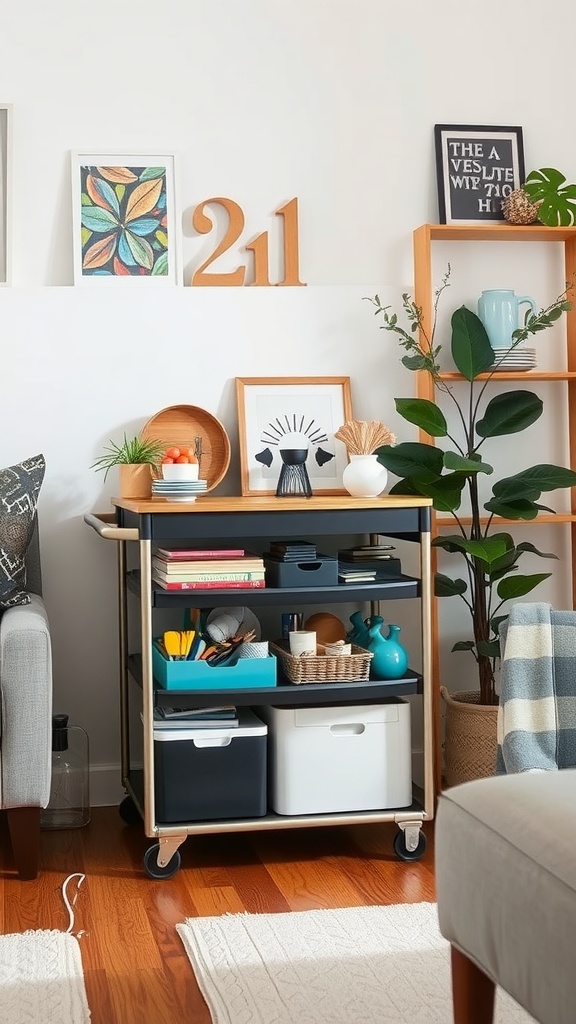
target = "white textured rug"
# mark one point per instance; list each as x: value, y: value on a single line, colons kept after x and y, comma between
x: 41, y: 979
x: 365, y: 965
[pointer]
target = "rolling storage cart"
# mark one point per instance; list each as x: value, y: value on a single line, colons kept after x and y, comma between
x: 210, y: 521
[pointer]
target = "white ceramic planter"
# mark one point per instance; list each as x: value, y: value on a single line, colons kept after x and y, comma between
x: 364, y: 476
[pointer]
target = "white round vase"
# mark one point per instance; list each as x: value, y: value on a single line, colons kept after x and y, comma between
x: 364, y: 476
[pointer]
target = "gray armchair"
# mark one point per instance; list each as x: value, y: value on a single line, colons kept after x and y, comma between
x: 26, y: 717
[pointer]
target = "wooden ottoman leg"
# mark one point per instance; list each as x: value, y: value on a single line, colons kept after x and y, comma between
x: 24, y: 827
x: 472, y: 992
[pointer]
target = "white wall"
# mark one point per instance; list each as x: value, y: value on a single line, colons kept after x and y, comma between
x: 326, y: 100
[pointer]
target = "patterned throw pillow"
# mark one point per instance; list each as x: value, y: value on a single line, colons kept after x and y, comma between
x: 19, y: 489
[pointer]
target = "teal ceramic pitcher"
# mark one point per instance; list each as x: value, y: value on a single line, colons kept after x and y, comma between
x: 499, y: 311
x: 390, y: 659
x: 359, y: 633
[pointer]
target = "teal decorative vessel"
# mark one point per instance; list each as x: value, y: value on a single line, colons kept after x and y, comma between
x: 390, y: 659
x: 359, y: 633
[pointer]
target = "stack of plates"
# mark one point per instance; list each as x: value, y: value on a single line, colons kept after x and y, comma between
x: 178, y: 490
x: 517, y: 359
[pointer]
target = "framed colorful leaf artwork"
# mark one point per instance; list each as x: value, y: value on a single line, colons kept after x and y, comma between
x: 125, y: 218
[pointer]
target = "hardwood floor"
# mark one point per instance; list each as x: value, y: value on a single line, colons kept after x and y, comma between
x: 134, y: 963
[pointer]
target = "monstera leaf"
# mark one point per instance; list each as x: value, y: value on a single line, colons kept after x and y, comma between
x: 558, y: 200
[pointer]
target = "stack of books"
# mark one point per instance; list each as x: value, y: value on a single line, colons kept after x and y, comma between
x: 225, y: 717
x: 176, y: 568
x: 368, y: 563
x: 292, y: 551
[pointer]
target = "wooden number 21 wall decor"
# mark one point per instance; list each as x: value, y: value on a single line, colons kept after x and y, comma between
x: 258, y: 246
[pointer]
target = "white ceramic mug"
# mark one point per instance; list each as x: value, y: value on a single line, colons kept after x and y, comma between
x: 302, y: 641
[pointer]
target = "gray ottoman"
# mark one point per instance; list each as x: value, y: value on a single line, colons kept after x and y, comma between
x: 506, y: 889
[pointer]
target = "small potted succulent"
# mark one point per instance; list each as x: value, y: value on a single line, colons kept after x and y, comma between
x: 136, y: 458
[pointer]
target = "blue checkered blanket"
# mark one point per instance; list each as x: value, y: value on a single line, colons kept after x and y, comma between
x: 537, y: 713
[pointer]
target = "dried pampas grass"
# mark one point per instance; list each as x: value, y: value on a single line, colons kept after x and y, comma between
x: 363, y: 438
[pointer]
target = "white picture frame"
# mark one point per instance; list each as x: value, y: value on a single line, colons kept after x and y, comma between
x: 5, y: 193
x: 109, y: 188
x: 304, y: 411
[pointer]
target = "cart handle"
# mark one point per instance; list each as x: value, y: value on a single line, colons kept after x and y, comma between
x: 105, y: 525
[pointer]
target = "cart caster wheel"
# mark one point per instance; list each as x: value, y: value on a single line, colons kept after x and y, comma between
x: 153, y: 869
x: 403, y: 853
x: 129, y: 812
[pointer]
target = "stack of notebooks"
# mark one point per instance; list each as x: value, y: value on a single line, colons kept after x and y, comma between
x: 292, y: 551
x: 225, y: 717
x: 368, y: 563
x: 177, y: 568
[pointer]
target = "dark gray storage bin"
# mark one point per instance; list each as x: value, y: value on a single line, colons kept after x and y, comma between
x: 322, y: 572
x: 205, y: 774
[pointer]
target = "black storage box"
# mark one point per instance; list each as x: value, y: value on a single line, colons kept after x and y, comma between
x: 322, y: 572
x: 205, y: 774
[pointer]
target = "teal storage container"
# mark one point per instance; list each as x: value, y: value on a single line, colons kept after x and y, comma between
x: 246, y: 674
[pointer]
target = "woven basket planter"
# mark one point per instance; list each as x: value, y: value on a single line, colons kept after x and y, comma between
x: 470, y: 742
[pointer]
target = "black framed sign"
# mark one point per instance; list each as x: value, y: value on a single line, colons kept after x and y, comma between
x: 477, y: 167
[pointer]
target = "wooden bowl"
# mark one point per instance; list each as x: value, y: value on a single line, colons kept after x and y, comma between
x: 328, y: 627
x: 179, y: 425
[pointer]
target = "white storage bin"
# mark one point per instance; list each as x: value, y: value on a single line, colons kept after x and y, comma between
x: 336, y: 759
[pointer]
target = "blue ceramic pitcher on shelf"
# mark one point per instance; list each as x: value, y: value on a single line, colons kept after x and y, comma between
x: 390, y: 659
x: 499, y: 311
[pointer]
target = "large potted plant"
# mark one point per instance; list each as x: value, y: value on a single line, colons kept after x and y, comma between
x: 450, y: 472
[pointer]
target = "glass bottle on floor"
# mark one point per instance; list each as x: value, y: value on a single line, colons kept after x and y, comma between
x: 69, y: 804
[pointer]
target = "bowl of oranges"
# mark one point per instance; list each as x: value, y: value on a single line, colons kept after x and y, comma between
x: 179, y: 464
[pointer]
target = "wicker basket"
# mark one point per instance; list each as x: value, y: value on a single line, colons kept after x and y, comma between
x: 470, y: 744
x: 325, y: 668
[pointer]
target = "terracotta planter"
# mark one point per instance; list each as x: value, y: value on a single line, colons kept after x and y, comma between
x: 470, y: 742
x: 135, y: 481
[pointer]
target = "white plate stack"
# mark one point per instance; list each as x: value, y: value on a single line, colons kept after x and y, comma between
x: 178, y: 490
x: 512, y: 360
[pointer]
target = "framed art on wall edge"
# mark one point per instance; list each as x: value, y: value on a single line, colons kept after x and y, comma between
x: 286, y: 430
x: 5, y: 192
x: 477, y: 167
x: 125, y: 218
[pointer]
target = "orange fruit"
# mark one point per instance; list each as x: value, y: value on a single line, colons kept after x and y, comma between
x: 182, y: 459
x: 167, y: 461
x: 173, y: 453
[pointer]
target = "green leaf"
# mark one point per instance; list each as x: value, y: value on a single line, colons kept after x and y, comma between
x: 446, y: 491
x: 422, y: 462
x: 488, y: 550
x: 424, y: 414
x: 518, y: 508
x: 460, y: 464
x: 509, y: 413
x: 445, y: 586
x: 518, y: 586
x: 525, y: 545
x: 544, y: 477
x: 471, y: 349
x: 488, y: 648
x: 413, y: 362
x: 558, y: 201
x: 464, y: 645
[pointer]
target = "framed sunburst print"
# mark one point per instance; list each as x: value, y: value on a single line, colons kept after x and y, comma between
x: 286, y: 431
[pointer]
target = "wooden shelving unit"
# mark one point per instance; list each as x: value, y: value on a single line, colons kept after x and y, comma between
x: 424, y: 288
